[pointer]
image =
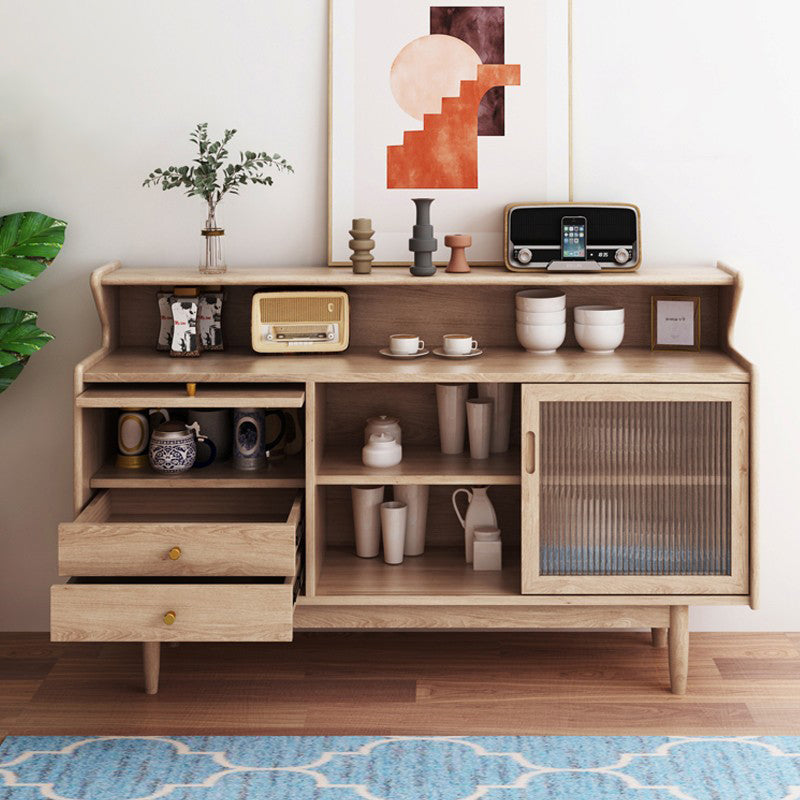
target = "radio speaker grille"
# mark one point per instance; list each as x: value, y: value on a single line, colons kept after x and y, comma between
x: 301, y: 309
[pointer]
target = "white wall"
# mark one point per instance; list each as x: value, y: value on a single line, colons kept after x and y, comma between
x: 688, y: 109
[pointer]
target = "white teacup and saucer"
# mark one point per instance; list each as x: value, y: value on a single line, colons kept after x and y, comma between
x: 458, y: 345
x: 404, y: 345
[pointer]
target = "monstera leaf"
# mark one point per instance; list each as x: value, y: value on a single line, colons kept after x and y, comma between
x: 20, y: 337
x: 28, y: 243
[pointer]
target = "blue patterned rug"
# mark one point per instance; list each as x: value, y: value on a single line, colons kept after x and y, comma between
x: 400, y: 768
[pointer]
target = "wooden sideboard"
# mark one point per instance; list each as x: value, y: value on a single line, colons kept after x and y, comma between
x: 627, y: 494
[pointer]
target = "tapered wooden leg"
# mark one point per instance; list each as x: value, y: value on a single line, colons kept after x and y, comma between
x: 152, y: 664
x: 659, y: 636
x: 678, y: 648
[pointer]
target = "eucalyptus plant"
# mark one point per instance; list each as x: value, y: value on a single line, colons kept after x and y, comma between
x: 211, y: 175
x: 29, y: 242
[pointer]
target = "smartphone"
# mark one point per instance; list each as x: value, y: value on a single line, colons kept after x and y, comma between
x: 573, y: 238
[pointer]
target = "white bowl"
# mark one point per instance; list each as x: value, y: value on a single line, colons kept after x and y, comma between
x: 542, y: 317
x: 599, y: 315
x: 541, y: 339
x: 599, y: 339
x: 541, y: 300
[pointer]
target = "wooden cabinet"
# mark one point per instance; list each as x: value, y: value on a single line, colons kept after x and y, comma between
x: 635, y: 489
x: 626, y: 496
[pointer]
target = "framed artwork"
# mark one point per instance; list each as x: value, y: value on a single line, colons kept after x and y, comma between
x: 674, y: 322
x: 467, y: 104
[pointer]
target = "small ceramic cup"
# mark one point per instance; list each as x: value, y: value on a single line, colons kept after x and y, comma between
x: 458, y: 344
x: 394, y: 516
x: 405, y: 344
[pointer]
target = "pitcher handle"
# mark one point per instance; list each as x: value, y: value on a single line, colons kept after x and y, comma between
x: 455, y: 505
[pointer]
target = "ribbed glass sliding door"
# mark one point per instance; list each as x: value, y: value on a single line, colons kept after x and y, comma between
x: 631, y: 495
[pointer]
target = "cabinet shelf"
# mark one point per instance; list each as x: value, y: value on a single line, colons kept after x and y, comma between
x: 439, y: 571
x: 214, y: 396
x: 286, y: 474
x: 422, y: 465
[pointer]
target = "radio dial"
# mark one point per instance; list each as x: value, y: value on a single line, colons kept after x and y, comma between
x: 524, y: 256
x: 622, y: 256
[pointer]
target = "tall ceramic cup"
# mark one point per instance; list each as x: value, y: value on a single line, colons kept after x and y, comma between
x: 501, y: 393
x: 367, y: 519
x: 479, y: 422
x: 217, y: 425
x: 394, y: 516
x: 416, y: 500
x: 248, y: 438
x: 451, y: 400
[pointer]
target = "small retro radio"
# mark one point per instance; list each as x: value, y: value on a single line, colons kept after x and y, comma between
x: 300, y: 322
x: 572, y: 237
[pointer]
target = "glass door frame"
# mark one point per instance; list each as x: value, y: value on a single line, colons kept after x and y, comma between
x: 737, y: 583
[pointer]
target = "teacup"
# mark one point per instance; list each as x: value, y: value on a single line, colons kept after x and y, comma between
x: 459, y: 344
x: 405, y: 344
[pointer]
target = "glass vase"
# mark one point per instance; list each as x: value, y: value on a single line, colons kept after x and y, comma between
x: 212, y: 261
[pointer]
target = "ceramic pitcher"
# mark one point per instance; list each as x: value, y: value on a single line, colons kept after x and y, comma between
x: 480, y: 511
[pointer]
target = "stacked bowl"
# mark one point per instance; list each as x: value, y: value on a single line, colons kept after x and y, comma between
x: 541, y: 320
x: 599, y: 329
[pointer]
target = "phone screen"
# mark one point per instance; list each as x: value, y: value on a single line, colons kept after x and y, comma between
x: 573, y: 238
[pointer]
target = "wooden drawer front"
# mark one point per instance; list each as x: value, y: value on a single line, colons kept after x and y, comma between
x: 98, y: 544
x: 134, y: 612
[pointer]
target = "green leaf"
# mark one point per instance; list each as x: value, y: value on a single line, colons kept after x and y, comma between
x: 29, y: 242
x: 20, y: 337
x: 9, y: 374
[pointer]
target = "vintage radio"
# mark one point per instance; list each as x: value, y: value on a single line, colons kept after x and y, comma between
x: 572, y: 237
x: 300, y: 322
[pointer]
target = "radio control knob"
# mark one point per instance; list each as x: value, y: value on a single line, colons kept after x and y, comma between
x: 622, y: 256
x: 524, y: 255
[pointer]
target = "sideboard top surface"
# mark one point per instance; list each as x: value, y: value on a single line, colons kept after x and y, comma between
x: 689, y: 275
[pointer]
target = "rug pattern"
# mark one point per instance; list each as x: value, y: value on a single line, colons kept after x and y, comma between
x: 400, y: 768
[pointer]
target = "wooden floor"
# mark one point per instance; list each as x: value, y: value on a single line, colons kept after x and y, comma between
x: 409, y: 683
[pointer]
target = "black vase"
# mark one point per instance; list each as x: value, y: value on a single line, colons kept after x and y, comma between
x: 422, y: 243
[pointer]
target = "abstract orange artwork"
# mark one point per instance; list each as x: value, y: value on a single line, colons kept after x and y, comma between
x: 441, y: 81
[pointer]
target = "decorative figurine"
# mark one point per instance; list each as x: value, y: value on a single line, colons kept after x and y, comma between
x: 422, y: 244
x: 458, y: 243
x: 185, y: 343
x: 361, y: 244
x: 165, y: 314
x: 209, y: 320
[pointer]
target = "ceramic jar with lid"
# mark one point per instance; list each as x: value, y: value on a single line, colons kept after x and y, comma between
x: 381, y: 450
x: 383, y: 424
x: 173, y: 447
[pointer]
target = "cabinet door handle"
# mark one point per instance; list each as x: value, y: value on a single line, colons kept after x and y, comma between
x: 530, y: 453
x: 170, y: 617
x: 175, y: 553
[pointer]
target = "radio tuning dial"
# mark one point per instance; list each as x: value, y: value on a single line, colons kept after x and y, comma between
x: 622, y: 256
x: 524, y: 256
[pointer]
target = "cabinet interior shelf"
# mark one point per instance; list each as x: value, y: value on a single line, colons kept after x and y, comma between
x: 439, y: 571
x: 286, y: 474
x: 421, y: 465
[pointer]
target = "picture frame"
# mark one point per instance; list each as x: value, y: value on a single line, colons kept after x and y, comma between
x: 526, y: 154
x: 674, y: 322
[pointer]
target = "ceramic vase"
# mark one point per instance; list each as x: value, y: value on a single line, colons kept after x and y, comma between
x: 480, y: 513
x: 501, y: 394
x: 422, y: 243
x: 451, y: 405
x: 458, y: 243
x: 367, y: 519
x: 415, y: 498
x: 361, y: 244
x: 394, y: 516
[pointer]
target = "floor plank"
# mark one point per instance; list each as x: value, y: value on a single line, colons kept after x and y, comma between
x: 405, y: 683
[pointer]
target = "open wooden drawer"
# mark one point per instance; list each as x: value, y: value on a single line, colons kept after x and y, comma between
x: 184, y: 532
x: 174, y: 609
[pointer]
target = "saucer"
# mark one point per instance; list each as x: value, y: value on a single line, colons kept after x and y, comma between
x: 385, y: 351
x: 439, y: 351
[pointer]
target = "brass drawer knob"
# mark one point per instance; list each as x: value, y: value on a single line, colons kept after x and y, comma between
x: 169, y: 618
x: 174, y: 554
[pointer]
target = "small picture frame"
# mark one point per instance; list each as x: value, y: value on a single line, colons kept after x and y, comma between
x: 674, y: 322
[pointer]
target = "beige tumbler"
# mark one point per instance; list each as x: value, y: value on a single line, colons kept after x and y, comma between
x: 415, y: 498
x: 501, y: 413
x: 479, y: 421
x: 451, y: 401
x: 367, y: 519
x: 393, y: 524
